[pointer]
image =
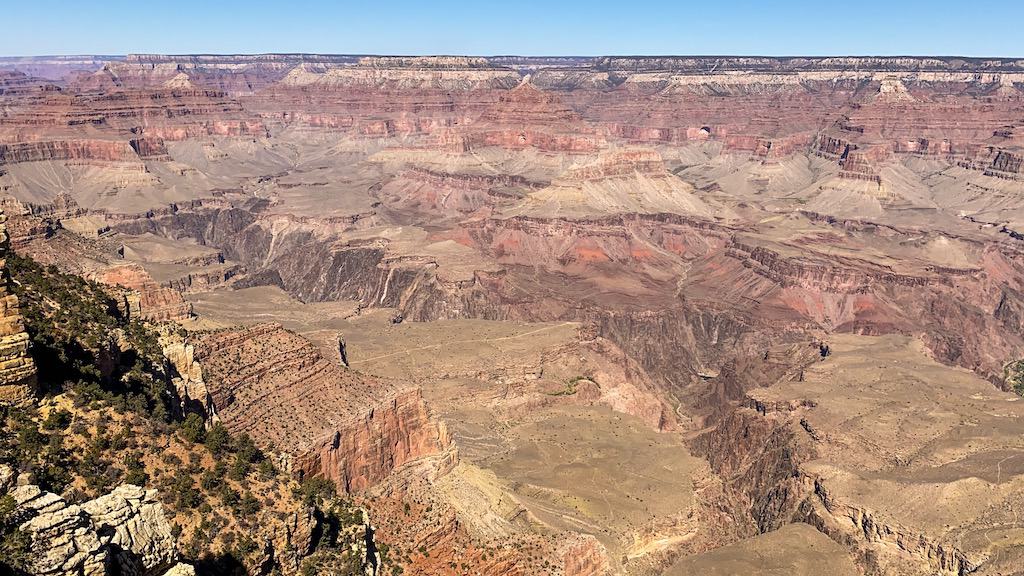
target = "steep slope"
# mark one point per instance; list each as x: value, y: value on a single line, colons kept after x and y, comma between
x: 276, y: 387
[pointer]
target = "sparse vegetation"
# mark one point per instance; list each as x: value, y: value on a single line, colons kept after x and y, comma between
x: 96, y: 428
x: 571, y: 385
x: 76, y: 327
x: 1013, y: 375
x: 313, y: 491
x: 15, y: 551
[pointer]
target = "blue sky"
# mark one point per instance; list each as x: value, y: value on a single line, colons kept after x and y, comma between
x: 527, y: 27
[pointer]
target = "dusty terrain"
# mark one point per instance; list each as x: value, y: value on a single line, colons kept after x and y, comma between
x: 573, y: 316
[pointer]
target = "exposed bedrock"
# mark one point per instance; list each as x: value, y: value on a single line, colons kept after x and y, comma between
x: 364, y: 450
x: 850, y: 444
x: 70, y: 151
x: 276, y: 386
x: 688, y: 335
x: 759, y: 461
x: 150, y: 148
x: 760, y: 457
x: 123, y: 532
x: 17, y: 370
x: 861, y: 529
x: 968, y: 315
x: 125, y: 114
x: 1006, y: 164
x: 148, y: 299
x: 701, y: 64
x: 680, y: 344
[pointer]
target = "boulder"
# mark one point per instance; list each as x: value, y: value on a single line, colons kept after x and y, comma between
x: 131, y: 525
x: 64, y: 539
x: 123, y: 532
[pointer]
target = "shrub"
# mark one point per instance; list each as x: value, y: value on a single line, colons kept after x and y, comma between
x: 314, y: 491
x: 71, y: 322
x: 57, y: 420
x: 192, y: 429
x: 217, y: 439
x: 15, y: 551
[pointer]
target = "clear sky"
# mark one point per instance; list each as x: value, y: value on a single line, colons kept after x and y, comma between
x: 526, y: 27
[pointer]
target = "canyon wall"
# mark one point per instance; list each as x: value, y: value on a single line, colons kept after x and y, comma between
x: 148, y: 300
x: 276, y: 387
x: 17, y: 370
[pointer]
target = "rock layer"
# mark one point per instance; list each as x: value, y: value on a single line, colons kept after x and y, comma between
x: 275, y: 386
x: 122, y: 532
x: 17, y: 370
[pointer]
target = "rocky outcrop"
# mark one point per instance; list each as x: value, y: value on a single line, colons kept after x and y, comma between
x: 387, y: 76
x: 364, y: 450
x: 131, y: 525
x: 850, y: 276
x: 861, y: 529
x: 17, y: 370
x: 759, y: 458
x: 181, y: 569
x: 585, y: 557
x: 122, y: 115
x: 64, y: 539
x: 277, y: 387
x: 150, y: 148
x: 1008, y: 165
x: 149, y: 300
x: 70, y: 151
x: 187, y: 375
x: 123, y: 532
x: 701, y: 64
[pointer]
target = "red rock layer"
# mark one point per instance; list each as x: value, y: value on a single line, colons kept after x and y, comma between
x: 276, y: 386
x: 113, y: 122
x: 365, y: 449
x: 74, y: 151
x: 154, y: 301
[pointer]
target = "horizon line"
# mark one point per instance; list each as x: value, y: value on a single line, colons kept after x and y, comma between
x: 508, y: 55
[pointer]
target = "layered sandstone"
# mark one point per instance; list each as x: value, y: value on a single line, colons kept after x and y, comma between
x: 709, y: 224
x: 927, y: 499
x: 277, y: 387
x: 68, y: 150
x: 141, y: 542
x: 149, y: 300
x: 17, y: 370
x: 123, y: 532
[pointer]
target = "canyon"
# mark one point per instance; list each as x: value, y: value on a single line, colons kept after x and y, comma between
x: 565, y: 316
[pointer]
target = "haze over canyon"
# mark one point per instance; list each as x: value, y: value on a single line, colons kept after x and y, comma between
x: 329, y: 314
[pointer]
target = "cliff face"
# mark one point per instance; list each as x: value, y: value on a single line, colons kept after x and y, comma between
x: 789, y: 451
x: 149, y: 300
x: 278, y: 388
x: 68, y: 150
x: 364, y: 450
x: 17, y: 370
x: 703, y: 219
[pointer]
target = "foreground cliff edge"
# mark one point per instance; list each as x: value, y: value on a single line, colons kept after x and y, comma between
x: 446, y: 315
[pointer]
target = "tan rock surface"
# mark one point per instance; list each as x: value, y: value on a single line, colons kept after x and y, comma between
x: 794, y: 550
x: 123, y: 532
x: 141, y: 542
x: 17, y: 370
x: 916, y: 464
